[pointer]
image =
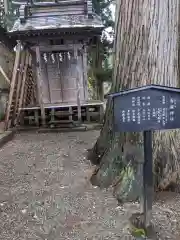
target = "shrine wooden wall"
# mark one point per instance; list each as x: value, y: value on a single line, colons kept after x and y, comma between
x: 62, y: 75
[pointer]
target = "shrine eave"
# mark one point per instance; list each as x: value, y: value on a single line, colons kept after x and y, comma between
x: 86, y: 31
x: 57, y: 22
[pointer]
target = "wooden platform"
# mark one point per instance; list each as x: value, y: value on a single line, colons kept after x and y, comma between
x: 63, y: 115
x: 62, y: 105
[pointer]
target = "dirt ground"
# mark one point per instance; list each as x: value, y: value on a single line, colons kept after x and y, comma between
x: 45, y: 193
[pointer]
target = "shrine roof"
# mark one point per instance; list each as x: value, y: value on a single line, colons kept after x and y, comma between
x: 58, y: 22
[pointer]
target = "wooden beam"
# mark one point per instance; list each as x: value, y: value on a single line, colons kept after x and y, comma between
x: 39, y: 84
x: 13, y: 85
x: 50, y: 3
x: 65, y: 47
x: 5, y: 76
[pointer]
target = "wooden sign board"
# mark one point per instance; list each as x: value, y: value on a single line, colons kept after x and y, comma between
x: 146, y: 108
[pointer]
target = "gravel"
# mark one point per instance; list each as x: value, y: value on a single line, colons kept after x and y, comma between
x: 45, y: 193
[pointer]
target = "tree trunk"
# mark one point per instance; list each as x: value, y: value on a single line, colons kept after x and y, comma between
x: 146, y: 51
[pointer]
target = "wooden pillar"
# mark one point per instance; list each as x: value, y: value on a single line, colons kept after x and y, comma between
x: 19, y: 87
x: 22, y: 95
x: 13, y: 85
x: 85, y: 74
x: 39, y: 84
x: 70, y: 114
x: 77, y: 84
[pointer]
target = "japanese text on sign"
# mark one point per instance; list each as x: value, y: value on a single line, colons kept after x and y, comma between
x: 141, y: 110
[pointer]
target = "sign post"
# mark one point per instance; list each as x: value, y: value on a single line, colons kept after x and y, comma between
x: 148, y: 186
x: 146, y: 109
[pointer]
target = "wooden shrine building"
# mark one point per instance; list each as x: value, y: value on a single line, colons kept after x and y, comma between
x: 50, y: 83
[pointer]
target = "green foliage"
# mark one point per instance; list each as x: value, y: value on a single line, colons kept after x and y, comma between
x: 102, y: 8
x: 138, y: 232
x: 103, y: 74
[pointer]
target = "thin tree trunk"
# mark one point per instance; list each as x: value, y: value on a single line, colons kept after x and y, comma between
x: 146, y: 51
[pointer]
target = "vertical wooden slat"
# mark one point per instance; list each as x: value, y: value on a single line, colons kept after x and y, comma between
x: 26, y: 83
x: 60, y: 74
x: 47, y: 81
x: 85, y: 76
x: 54, y: 75
x: 77, y: 84
x: 39, y: 84
x: 13, y: 85
x: 33, y: 64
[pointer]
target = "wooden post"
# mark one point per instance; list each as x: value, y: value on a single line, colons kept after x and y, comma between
x: 70, y: 114
x: 88, y: 118
x: 85, y: 76
x: 36, y: 117
x: 19, y: 85
x: 101, y: 113
x: 78, y: 84
x: 52, y: 115
x: 6, y: 7
x: 39, y: 85
x: 22, y: 95
x: 13, y: 85
x: 148, y: 178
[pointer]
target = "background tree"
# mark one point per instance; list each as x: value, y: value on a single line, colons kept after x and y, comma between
x: 100, y: 51
x: 146, y: 51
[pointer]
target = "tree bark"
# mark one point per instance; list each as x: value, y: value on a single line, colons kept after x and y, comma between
x: 146, y: 50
